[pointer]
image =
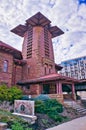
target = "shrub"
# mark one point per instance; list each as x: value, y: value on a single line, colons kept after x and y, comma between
x: 56, y: 117
x: 51, y: 107
x: 14, y: 122
x: 39, y: 107
x: 10, y: 94
x: 3, y: 92
x: 25, y: 97
x: 16, y: 126
x: 14, y: 93
x: 42, y: 97
x: 53, y: 103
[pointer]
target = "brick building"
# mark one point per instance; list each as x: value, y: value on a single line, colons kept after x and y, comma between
x: 34, y: 68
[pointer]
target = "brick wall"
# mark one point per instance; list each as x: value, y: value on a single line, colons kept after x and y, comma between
x: 6, y: 77
x: 14, y: 72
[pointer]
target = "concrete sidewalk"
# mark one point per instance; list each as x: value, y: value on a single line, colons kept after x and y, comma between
x: 76, y: 124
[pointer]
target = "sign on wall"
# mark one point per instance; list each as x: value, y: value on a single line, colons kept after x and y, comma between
x: 24, y: 107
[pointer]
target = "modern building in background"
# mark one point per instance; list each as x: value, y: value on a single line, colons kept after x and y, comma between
x: 75, y: 68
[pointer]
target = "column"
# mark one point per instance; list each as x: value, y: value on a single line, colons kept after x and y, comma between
x: 59, y: 88
x: 73, y: 92
x: 59, y: 95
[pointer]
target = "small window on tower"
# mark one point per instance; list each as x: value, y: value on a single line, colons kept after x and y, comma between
x: 50, y: 68
x: 45, y: 70
x: 5, y: 66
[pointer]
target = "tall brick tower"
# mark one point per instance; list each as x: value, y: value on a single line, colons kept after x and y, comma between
x: 39, y: 73
x: 37, y: 46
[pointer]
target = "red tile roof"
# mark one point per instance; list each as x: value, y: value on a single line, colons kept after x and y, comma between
x: 48, y: 78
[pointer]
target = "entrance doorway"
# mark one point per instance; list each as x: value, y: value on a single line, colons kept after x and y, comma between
x: 67, y: 91
x: 46, y: 88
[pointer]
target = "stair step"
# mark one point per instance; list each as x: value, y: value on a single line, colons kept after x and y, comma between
x: 80, y: 108
x: 77, y: 107
x: 83, y: 112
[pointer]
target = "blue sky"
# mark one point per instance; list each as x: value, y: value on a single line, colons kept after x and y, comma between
x: 69, y: 15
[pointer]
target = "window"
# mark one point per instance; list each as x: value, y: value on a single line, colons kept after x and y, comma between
x: 5, y: 66
x: 45, y: 70
x: 50, y: 67
x: 49, y: 70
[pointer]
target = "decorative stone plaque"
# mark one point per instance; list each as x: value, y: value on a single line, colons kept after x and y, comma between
x: 24, y: 107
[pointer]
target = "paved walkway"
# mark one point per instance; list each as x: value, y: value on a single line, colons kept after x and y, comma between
x: 76, y: 124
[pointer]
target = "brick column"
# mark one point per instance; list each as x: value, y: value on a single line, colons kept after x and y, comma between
x: 73, y: 92
x: 59, y: 88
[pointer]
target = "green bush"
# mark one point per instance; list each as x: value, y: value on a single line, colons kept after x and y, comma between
x: 39, y: 107
x: 14, y: 122
x: 25, y: 97
x: 16, y: 126
x: 53, y: 103
x: 51, y: 107
x: 14, y: 93
x: 10, y: 94
x: 42, y: 97
x: 56, y: 117
x: 3, y: 92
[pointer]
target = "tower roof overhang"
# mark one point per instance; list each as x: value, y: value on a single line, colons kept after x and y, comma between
x: 55, y: 31
x: 19, y: 30
x: 37, y: 20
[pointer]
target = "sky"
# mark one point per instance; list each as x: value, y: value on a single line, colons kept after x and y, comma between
x: 68, y: 15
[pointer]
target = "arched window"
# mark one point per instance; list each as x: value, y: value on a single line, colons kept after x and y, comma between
x: 5, y: 66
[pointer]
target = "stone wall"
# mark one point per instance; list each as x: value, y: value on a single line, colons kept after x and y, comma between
x: 59, y: 97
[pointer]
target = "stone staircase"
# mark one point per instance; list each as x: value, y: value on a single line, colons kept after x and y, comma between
x: 78, y: 107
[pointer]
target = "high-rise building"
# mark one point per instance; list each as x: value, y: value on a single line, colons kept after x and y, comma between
x: 75, y: 68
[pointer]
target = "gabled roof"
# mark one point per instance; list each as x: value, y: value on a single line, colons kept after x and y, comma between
x: 9, y: 49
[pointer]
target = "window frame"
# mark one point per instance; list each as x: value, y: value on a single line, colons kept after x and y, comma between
x: 5, y: 66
